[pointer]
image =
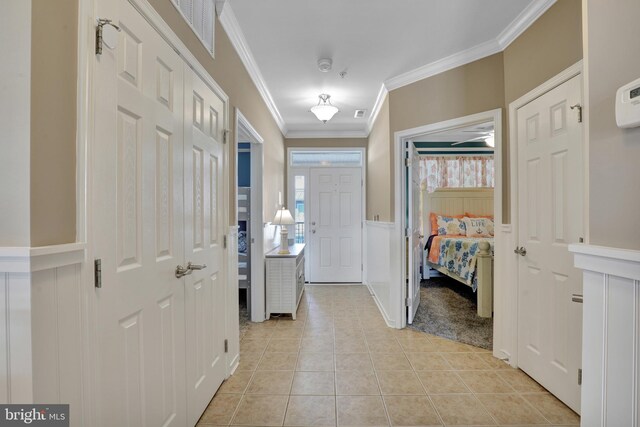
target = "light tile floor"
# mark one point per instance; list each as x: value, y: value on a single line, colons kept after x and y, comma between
x: 339, y: 364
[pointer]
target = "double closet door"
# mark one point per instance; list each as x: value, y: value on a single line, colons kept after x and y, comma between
x: 156, y: 199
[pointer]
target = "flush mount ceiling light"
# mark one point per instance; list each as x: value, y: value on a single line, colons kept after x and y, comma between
x: 325, y: 64
x: 324, y: 111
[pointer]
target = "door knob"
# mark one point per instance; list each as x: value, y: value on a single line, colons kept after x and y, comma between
x: 313, y: 223
x: 520, y: 251
x: 313, y: 231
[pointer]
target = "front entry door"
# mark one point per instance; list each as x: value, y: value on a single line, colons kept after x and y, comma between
x: 550, y: 217
x: 335, y: 225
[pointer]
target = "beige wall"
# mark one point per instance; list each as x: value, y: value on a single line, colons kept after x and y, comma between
x: 53, y: 121
x: 15, y: 68
x: 612, y: 35
x: 229, y: 72
x: 379, y: 168
x: 549, y: 46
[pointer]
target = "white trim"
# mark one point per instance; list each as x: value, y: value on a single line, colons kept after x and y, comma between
x: 400, y: 200
x: 303, y: 134
x: 486, y: 150
x: 258, y: 291
x: 232, y: 27
x: 511, y: 272
x: 28, y: 260
x: 611, y: 261
x: 523, y: 21
x: 377, y: 106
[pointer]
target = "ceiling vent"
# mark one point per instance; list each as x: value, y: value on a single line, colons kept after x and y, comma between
x: 359, y: 114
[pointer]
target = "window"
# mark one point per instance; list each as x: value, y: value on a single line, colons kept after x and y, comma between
x: 200, y: 15
x: 298, y: 214
x: 456, y: 172
x: 326, y: 158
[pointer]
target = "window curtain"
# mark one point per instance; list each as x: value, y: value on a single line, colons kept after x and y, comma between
x: 456, y: 172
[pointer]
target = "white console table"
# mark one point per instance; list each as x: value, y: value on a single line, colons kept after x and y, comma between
x: 285, y: 280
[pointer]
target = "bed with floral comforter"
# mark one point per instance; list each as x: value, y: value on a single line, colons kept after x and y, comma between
x: 458, y: 256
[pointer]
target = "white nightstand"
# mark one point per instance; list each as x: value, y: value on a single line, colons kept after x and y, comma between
x: 285, y: 280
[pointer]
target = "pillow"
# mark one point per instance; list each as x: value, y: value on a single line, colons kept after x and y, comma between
x: 450, y: 226
x: 478, y: 227
x: 433, y: 217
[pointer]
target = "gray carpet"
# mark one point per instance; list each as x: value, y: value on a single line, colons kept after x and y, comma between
x: 244, y: 315
x: 448, y: 309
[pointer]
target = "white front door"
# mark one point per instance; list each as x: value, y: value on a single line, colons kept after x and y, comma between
x: 204, y: 288
x: 335, y: 225
x: 550, y: 217
x: 138, y: 232
x: 413, y: 227
x: 156, y: 203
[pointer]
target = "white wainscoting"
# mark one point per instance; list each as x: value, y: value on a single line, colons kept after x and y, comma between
x: 611, y: 335
x: 381, y: 270
x: 41, y: 318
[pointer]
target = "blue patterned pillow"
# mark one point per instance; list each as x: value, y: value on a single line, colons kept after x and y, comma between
x: 448, y: 226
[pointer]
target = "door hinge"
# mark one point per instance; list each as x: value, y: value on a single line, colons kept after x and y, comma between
x: 407, y: 162
x: 406, y: 232
x: 407, y: 302
x: 225, y: 135
x: 224, y: 241
x: 97, y: 273
x: 226, y: 346
x: 580, y: 376
x: 579, y: 107
x: 361, y: 267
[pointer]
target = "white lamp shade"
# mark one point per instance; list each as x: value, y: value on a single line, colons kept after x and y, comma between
x: 324, y: 112
x: 283, y: 217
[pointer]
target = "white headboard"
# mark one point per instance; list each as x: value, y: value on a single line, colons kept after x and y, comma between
x: 458, y: 201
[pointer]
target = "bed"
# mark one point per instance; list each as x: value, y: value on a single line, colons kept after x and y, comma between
x: 468, y: 260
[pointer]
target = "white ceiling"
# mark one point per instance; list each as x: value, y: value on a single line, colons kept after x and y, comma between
x: 381, y: 44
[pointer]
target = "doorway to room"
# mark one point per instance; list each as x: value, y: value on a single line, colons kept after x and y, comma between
x: 326, y: 195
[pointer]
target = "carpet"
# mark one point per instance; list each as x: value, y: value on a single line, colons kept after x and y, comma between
x: 448, y: 309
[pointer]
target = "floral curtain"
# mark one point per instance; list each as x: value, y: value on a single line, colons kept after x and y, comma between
x: 456, y: 172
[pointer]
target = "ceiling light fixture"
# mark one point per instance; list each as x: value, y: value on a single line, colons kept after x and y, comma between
x: 324, y: 111
x: 325, y: 64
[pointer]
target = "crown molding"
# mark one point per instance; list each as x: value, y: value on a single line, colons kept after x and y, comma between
x: 445, y: 64
x: 232, y: 27
x: 306, y: 134
x: 523, y: 21
x: 377, y: 106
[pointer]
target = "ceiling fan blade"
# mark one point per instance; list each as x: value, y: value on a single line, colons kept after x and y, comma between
x: 477, y: 138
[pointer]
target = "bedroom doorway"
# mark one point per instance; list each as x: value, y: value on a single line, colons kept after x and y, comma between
x: 250, y: 217
x: 477, y: 137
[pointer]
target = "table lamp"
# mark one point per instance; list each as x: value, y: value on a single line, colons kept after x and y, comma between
x: 283, y: 218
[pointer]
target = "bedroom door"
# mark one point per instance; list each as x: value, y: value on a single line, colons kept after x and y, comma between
x: 335, y: 225
x: 413, y: 232
x: 550, y: 217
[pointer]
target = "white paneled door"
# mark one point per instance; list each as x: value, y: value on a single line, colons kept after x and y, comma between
x: 414, y: 239
x: 204, y: 289
x: 335, y: 225
x: 156, y: 192
x: 550, y: 217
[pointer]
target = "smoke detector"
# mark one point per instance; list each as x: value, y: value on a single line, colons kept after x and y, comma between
x: 359, y: 114
x: 324, y: 65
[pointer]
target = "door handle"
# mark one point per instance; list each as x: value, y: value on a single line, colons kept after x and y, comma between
x: 313, y: 231
x: 183, y: 271
x: 577, y: 298
x: 313, y: 223
x: 522, y: 251
x: 196, y: 266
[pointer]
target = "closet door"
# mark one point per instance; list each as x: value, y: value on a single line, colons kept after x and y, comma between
x: 204, y: 288
x: 137, y: 229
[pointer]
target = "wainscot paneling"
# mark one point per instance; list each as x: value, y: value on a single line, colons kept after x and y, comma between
x: 380, y: 274
x: 611, y: 335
